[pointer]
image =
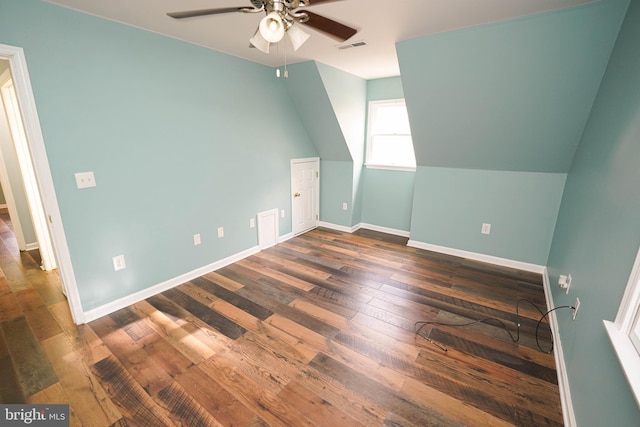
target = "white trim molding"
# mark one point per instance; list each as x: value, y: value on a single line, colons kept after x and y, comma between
x: 561, y: 367
x: 353, y: 229
x: 343, y: 228
x: 620, y: 331
x: 134, y: 298
x: 35, y: 139
x: 504, y: 262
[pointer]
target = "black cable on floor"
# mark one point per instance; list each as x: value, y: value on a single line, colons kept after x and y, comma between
x: 421, y: 324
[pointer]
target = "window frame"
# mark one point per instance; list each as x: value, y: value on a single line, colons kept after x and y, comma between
x: 621, y: 330
x: 373, y: 105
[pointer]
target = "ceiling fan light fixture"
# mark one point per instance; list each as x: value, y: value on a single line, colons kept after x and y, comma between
x: 260, y: 42
x: 297, y: 36
x: 272, y: 27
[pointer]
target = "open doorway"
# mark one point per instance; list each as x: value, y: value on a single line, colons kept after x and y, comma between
x: 37, y: 183
x: 17, y: 177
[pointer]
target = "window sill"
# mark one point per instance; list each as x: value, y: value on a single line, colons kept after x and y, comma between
x: 627, y: 355
x: 391, y: 168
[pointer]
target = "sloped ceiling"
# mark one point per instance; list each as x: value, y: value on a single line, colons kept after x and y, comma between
x: 508, y: 96
x: 309, y: 95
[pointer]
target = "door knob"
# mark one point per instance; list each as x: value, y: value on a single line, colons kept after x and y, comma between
x: 296, y: 195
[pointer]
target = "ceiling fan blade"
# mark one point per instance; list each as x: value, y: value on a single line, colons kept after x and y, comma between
x: 204, y: 12
x: 329, y: 26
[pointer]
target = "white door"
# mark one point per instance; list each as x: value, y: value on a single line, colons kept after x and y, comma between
x: 305, y: 194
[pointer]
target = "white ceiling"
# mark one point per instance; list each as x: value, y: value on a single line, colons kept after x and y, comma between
x: 380, y: 23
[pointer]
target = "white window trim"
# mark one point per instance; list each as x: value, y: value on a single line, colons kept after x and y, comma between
x: 619, y: 331
x: 368, y: 164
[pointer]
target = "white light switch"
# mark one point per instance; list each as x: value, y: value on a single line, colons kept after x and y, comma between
x: 252, y: 223
x: 345, y: 206
x: 85, y: 180
x: 196, y: 239
x: 220, y: 232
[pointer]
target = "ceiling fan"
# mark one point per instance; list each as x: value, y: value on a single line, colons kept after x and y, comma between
x: 282, y: 17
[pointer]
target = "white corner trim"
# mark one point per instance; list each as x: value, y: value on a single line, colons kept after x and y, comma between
x: 561, y: 368
x: 504, y: 262
x: 121, y: 303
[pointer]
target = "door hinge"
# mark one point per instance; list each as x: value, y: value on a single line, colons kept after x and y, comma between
x: 316, y: 217
x: 317, y: 174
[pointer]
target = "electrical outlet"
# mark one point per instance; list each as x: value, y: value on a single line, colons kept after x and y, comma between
x: 196, y: 239
x: 85, y: 180
x: 118, y: 262
x: 562, y: 281
x: 576, y: 306
x: 486, y: 228
x: 252, y: 223
x: 220, y: 232
x: 345, y: 206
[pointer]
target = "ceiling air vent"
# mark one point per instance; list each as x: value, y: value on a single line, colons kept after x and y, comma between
x: 352, y: 45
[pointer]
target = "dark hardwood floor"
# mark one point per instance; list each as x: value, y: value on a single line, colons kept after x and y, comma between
x: 319, y: 330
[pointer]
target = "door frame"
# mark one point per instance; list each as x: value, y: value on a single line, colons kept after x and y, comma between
x: 315, y: 160
x: 42, y: 172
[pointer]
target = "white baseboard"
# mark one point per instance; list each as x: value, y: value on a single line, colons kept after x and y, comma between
x: 32, y: 246
x: 490, y: 259
x: 366, y: 226
x: 337, y: 227
x: 285, y: 237
x: 161, y: 287
x: 394, y: 231
x: 561, y: 368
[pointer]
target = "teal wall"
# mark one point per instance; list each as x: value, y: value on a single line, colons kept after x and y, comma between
x: 183, y: 140
x: 513, y: 95
x: 313, y: 107
x: 177, y: 136
x: 512, y: 98
x: 450, y: 206
x: 597, y: 237
x: 335, y: 189
x: 387, y: 198
x: 387, y: 195
x: 348, y: 95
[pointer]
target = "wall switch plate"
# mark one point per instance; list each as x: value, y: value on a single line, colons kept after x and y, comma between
x: 220, y: 232
x: 345, y: 206
x: 576, y: 306
x: 85, y: 180
x: 282, y: 213
x: 118, y: 263
x: 252, y: 223
x: 486, y: 228
x: 196, y: 239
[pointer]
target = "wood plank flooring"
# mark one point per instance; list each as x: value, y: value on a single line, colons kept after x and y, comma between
x: 316, y: 331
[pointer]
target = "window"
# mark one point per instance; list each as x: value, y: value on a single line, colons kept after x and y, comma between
x: 389, y: 144
x: 624, y: 332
